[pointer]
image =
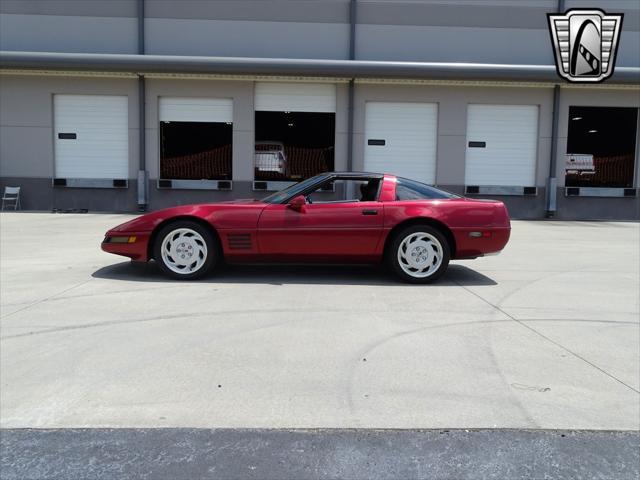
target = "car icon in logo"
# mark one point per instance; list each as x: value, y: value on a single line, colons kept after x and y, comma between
x: 585, y: 44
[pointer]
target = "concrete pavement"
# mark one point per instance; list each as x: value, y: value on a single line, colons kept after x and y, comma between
x: 545, y: 335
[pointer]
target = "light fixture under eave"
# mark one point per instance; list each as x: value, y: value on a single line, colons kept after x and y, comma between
x: 576, y: 118
x: 593, y: 131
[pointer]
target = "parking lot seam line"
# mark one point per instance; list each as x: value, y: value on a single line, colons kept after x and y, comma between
x: 529, y: 283
x: 520, y: 322
x: 580, y: 320
x: 151, y: 319
x: 37, y: 302
x: 367, y: 351
x: 57, y: 328
x: 57, y: 297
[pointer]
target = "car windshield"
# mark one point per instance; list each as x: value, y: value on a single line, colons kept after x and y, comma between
x: 292, y: 190
x: 411, y: 190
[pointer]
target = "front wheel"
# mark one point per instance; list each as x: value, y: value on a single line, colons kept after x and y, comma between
x: 185, y: 250
x: 419, y: 254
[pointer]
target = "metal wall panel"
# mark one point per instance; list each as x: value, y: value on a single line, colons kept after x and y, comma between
x: 237, y: 38
x: 453, y: 44
x: 70, y: 34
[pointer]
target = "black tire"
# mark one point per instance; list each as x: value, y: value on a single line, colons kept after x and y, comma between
x: 211, y: 257
x: 437, y: 241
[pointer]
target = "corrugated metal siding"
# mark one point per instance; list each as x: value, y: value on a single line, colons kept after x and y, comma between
x: 187, y: 109
x: 410, y: 134
x: 511, y: 136
x: 101, y: 146
x: 295, y: 97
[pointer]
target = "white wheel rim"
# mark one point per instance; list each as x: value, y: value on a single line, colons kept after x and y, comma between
x: 420, y: 255
x: 184, y: 251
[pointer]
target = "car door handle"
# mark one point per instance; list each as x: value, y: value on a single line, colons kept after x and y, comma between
x: 369, y: 212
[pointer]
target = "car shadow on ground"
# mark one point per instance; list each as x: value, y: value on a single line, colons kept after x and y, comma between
x: 456, y: 275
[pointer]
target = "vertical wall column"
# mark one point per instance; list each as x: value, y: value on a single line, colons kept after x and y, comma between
x: 143, y: 174
x: 352, y: 55
x: 552, y: 181
x: 636, y: 165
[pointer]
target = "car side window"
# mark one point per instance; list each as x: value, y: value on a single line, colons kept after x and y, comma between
x: 411, y: 190
x: 369, y: 190
x: 346, y: 191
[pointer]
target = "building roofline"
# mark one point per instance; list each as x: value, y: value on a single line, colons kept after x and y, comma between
x: 358, y: 69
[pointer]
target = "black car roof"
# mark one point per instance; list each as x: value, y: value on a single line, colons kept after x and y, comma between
x: 354, y: 174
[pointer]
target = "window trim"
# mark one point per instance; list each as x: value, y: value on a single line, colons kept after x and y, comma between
x: 323, y: 177
x: 354, y: 179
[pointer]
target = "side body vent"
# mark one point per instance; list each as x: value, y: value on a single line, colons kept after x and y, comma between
x: 239, y: 241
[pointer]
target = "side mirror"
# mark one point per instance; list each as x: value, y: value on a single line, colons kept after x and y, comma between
x: 297, y: 203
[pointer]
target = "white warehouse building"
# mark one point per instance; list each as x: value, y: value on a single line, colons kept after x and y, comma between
x: 127, y: 105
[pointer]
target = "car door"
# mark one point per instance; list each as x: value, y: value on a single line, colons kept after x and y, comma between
x: 349, y: 230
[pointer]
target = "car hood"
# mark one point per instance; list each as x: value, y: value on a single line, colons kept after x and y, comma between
x: 242, y: 201
x: 147, y: 222
x: 482, y: 200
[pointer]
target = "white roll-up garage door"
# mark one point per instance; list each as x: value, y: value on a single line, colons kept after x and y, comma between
x: 91, y: 136
x: 501, y: 145
x: 187, y: 109
x: 400, y: 138
x: 295, y: 97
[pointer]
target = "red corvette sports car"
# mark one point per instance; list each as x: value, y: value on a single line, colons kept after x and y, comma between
x: 415, y: 228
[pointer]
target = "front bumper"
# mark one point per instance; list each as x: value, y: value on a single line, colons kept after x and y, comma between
x: 130, y: 244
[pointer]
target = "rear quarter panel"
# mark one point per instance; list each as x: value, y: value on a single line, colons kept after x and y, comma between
x: 462, y: 216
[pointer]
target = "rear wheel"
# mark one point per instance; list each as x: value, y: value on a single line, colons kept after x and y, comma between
x: 186, y: 250
x: 419, y: 254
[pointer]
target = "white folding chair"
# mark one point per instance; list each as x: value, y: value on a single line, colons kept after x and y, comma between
x: 11, y: 195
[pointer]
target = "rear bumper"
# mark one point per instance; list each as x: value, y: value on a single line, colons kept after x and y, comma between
x: 135, y: 250
x: 490, y: 242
